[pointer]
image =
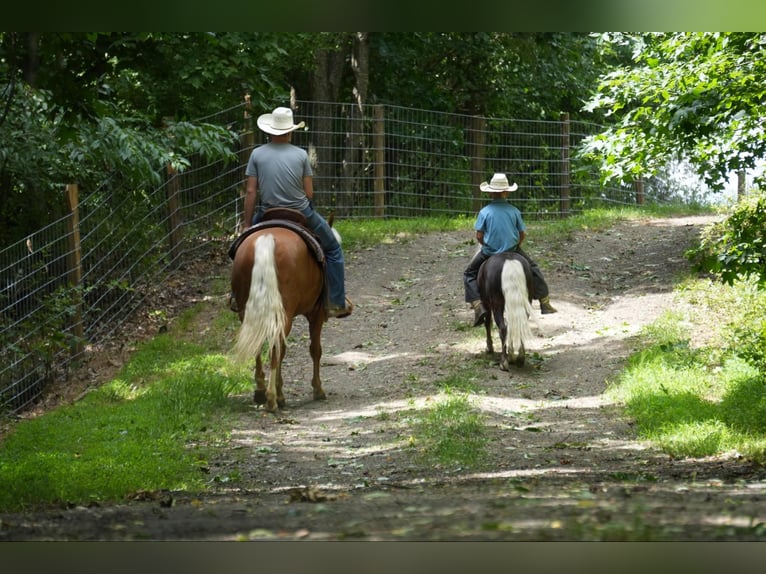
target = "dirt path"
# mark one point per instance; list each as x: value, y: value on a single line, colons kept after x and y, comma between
x: 564, y: 464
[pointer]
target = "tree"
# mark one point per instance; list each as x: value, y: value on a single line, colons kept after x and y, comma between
x: 698, y: 96
x: 501, y: 74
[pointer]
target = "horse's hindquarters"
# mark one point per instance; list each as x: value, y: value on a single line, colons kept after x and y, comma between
x: 275, y: 278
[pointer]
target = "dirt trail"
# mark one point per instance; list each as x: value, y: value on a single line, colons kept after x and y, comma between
x: 563, y: 463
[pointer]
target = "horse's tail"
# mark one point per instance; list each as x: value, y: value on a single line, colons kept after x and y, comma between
x: 517, y: 306
x: 264, y: 320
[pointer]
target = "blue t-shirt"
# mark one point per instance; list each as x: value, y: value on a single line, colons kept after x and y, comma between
x: 280, y: 169
x: 501, y: 224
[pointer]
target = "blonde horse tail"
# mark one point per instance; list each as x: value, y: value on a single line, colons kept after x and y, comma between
x: 517, y: 306
x: 264, y: 320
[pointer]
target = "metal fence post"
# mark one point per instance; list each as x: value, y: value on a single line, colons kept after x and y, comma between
x: 379, y: 145
x: 477, y: 139
x: 565, y: 167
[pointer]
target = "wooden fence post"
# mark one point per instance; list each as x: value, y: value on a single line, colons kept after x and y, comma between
x: 640, y: 190
x: 74, y: 264
x: 379, y: 145
x: 565, y: 204
x: 477, y: 139
x: 174, y: 214
x: 246, y: 144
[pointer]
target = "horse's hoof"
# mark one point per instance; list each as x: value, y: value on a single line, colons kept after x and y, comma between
x: 259, y: 397
x: 504, y: 365
x: 281, y: 403
x: 320, y: 396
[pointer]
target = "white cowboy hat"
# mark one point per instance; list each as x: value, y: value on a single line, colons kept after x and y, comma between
x: 499, y: 182
x: 278, y: 122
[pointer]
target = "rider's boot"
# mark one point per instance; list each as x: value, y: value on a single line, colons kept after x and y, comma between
x: 545, y: 306
x: 479, y: 313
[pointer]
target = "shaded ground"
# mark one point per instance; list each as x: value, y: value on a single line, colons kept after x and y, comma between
x: 563, y: 462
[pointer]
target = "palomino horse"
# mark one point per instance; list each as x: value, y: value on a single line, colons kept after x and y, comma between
x: 505, y: 286
x: 277, y: 275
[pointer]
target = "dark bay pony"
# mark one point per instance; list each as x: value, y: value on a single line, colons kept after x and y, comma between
x: 277, y: 275
x: 505, y: 286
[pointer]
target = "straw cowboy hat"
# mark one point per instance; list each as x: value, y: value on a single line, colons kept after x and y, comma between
x: 499, y: 182
x: 278, y: 122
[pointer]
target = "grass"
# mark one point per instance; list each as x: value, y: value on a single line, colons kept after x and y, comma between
x: 133, y: 433
x: 695, y: 401
x: 360, y: 234
x: 452, y: 432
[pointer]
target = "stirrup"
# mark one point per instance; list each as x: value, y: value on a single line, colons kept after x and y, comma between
x: 340, y: 312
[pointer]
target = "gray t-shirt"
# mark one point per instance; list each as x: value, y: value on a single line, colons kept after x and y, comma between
x: 280, y: 169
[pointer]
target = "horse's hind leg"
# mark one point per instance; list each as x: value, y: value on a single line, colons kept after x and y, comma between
x: 488, y: 326
x: 504, y: 364
x: 315, y: 349
x: 520, y: 357
x: 279, y: 380
x: 274, y: 377
x: 259, y: 394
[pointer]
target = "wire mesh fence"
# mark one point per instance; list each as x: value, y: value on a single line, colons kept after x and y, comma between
x: 68, y: 286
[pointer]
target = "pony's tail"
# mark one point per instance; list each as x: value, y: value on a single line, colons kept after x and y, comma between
x: 264, y: 320
x: 517, y: 306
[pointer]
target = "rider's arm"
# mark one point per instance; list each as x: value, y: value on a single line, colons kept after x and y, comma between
x: 251, y: 193
x: 522, y: 235
x: 480, y: 237
x: 308, y: 186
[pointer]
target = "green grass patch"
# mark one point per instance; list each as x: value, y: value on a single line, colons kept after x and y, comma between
x: 602, y: 219
x: 133, y: 433
x: 452, y: 433
x: 360, y: 234
x: 687, y: 402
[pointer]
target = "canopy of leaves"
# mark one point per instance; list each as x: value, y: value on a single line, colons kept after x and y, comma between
x: 698, y: 95
x: 501, y: 74
x: 76, y: 107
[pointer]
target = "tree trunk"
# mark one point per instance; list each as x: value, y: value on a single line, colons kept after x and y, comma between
x: 355, y: 140
x: 325, y: 85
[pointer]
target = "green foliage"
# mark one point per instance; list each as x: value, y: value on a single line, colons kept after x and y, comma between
x: 495, y: 74
x: 693, y: 95
x: 735, y: 247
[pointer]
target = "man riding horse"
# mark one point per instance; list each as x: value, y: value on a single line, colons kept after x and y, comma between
x: 282, y: 173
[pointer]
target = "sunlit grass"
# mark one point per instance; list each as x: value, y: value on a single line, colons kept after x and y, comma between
x: 452, y: 432
x: 362, y: 233
x: 133, y: 433
x: 693, y: 402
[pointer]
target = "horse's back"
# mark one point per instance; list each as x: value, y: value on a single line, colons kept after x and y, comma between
x: 491, y: 272
x: 300, y: 277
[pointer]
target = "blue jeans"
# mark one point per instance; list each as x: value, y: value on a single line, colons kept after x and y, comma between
x: 336, y: 278
x: 334, y: 264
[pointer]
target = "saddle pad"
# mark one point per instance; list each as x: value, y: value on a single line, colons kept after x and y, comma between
x: 309, y: 238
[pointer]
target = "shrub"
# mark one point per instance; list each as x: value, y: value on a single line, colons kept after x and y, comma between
x: 735, y: 247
